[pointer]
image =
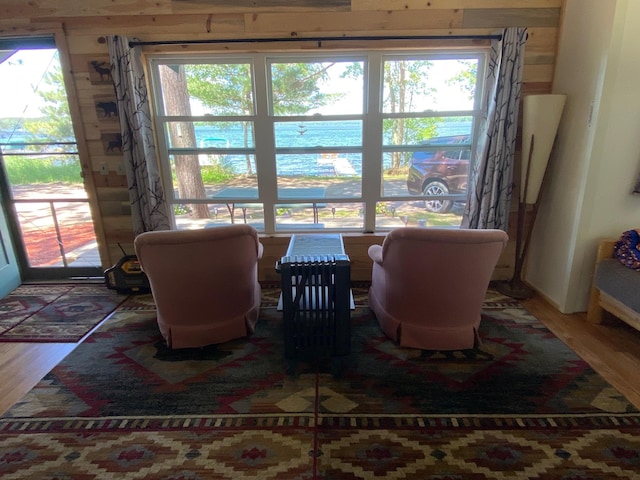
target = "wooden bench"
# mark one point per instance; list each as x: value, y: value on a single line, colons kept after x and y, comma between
x: 601, y: 302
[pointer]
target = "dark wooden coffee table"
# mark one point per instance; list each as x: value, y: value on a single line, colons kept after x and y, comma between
x: 316, y: 245
x: 316, y: 299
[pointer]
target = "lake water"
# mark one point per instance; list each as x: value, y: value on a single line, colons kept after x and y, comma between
x: 309, y: 134
x: 292, y: 134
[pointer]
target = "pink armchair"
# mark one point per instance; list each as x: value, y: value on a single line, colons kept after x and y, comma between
x: 428, y: 285
x: 204, y: 282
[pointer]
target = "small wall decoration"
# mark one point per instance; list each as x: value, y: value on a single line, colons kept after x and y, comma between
x: 100, y: 72
x: 106, y: 108
x: 112, y: 143
x: 636, y: 189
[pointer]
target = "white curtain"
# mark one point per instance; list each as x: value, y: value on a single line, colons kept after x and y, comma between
x: 491, y: 179
x: 149, y: 208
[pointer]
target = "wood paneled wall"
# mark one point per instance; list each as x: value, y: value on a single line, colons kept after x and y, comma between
x: 81, y: 28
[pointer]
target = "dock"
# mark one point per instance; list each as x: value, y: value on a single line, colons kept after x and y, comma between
x: 332, y: 165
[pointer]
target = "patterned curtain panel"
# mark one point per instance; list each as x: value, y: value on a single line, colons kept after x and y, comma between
x: 491, y: 180
x: 149, y: 208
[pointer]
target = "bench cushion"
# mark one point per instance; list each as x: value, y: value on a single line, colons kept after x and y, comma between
x: 620, y: 282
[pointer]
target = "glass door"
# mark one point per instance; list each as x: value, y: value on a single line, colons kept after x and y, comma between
x: 49, y: 215
x: 9, y: 271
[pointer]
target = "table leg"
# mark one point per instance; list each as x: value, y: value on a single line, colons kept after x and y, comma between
x: 232, y: 209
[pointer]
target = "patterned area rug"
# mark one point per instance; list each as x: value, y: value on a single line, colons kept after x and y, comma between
x: 123, y: 406
x: 54, y: 313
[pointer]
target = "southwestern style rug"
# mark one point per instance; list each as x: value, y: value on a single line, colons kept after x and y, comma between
x: 55, y: 312
x: 123, y: 406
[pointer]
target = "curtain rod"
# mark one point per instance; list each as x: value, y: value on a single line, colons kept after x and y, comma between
x: 316, y: 39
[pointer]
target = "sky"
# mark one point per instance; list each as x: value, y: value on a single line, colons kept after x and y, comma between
x: 351, y: 92
x: 20, y: 75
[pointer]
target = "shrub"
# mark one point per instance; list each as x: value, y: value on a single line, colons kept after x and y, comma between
x: 30, y: 170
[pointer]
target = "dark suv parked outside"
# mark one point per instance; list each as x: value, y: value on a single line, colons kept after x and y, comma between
x: 440, y: 172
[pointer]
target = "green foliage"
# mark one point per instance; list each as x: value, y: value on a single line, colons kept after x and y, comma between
x: 212, y: 174
x: 466, y: 79
x: 443, y: 219
x: 8, y: 124
x: 403, y: 79
x: 431, y: 219
x: 31, y: 170
x: 180, y: 209
x: 226, y: 89
x: 55, y: 122
x: 420, y: 129
x: 381, y: 208
x: 296, y: 87
x: 413, y: 131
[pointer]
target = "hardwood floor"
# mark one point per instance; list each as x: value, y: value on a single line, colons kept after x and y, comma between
x: 22, y: 365
x: 612, y: 349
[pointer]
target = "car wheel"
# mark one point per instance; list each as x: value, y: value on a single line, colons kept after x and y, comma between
x: 437, y: 187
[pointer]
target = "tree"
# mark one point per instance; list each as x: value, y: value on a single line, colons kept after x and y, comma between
x: 52, y: 126
x: 466, y: 79
x: 9, y: 124
x: 55, y: 122
x: 296, y: 87
x: 182, y: 134
x: 227, y: 89
x: 404, y: 81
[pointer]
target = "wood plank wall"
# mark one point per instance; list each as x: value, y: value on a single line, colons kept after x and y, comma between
x: 81, y: 28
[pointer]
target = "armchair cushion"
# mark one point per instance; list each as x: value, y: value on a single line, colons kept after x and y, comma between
x: 428, y: 285
x: 204, y: 282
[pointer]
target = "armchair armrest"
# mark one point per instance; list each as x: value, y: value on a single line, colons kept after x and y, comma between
x: 375, y: 253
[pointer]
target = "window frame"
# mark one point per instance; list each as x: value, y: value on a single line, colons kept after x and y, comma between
x: 264, y: 121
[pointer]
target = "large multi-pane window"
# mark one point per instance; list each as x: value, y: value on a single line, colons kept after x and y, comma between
x: 363, y: 141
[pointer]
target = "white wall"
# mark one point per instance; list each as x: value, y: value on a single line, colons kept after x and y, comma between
x: 596, y: 163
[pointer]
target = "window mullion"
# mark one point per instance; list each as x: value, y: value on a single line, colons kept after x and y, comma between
x: 265, y: 143
x: 161, y: 137
x: 372, y: 140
